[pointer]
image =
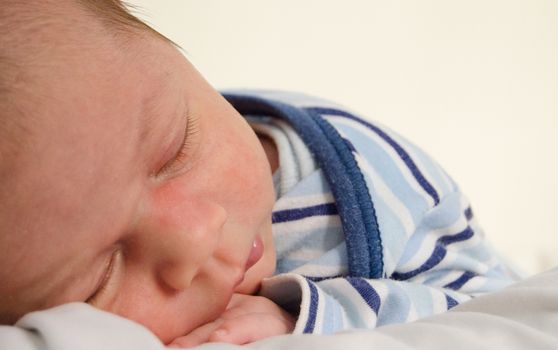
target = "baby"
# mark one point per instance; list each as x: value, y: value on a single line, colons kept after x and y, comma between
x: 127, y: 182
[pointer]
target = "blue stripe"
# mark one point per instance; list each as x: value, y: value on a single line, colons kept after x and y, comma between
x: 320, y: 279
x: 461, y: 236
x: 367, y: 292
x: 469, y: 213
x: 313, y: 310
x: 350, y: 145
x: 302, y: 213
x: 423, y: 182
x: 458, y: 283
x: 437, y: 255
x: 451, y: 302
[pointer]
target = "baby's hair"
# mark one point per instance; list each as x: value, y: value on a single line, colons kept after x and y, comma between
x: 116, y: 13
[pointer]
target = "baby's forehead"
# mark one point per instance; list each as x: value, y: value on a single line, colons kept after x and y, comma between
x: 50, y: 41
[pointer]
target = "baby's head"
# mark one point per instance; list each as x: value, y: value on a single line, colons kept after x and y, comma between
x: 125, y: 180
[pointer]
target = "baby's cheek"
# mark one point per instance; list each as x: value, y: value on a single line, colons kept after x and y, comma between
x: 254, y: 175
x: 171, y: 315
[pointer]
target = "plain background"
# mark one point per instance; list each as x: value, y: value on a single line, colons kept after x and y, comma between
x: 474, y: 83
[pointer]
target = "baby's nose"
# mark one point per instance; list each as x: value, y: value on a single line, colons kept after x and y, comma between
x: 192, y: 245
x: 183, y: 237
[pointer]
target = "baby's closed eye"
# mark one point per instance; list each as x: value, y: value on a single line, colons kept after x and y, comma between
x: 189, y: 143
x: 113, y: 269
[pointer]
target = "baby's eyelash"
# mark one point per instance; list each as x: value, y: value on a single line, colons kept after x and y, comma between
x: 192, y: 129
x: 106, y: 279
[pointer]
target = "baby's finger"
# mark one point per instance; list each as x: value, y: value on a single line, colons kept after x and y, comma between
x: 198, y: 336
x: 243, y: 304
x: 250, y: 328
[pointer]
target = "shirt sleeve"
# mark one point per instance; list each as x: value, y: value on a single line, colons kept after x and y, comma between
x: 445, y: 262
x: 521, y: 317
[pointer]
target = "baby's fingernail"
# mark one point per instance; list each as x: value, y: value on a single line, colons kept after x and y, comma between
x: 220, y: 333
x: 176, y: 344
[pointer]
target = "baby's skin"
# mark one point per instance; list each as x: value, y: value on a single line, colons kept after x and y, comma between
x: 129, y: 183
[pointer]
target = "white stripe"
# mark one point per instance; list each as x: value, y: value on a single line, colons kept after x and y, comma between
x: 315, y: 270
x: 413, y: 314
x: 474, y: 284
x: 390, y: 264
x: 305, y: 161
x: 293, y: 202
x: 289, y: 168
x: 319, y: 312
x: 427, y: 170
x: 439, y: 301
x: 464, y: 202
x: 393, y: 203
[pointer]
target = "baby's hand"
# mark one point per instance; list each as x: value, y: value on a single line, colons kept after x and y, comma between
x: 247, y: 318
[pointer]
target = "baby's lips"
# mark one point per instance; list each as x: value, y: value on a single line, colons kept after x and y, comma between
x: 256, y: 252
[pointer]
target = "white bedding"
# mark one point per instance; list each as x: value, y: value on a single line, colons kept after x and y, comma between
x: 524, y: 316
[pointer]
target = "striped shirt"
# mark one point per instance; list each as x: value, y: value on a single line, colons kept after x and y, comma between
x: 368, y: 229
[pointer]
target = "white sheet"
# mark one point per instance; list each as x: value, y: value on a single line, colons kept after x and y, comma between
x: 524, y: 316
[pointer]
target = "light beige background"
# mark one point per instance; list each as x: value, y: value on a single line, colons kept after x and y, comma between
x: 475, y: 83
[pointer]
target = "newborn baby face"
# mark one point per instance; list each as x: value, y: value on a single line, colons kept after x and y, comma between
x: 136, y: 187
